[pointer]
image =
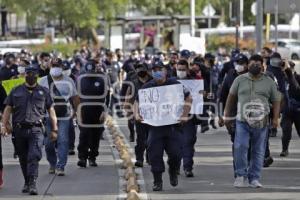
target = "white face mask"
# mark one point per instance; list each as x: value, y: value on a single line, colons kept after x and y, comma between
x: 67, y: 72
x: 21, y: 70
x: 56, y: 71
x: 181, y: 74
x: 239, y: 68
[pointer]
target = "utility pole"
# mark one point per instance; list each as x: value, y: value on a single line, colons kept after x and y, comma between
x: 241, y: 19
x: 192, y: 15
x: 259, y: 24
x: 276, y: 25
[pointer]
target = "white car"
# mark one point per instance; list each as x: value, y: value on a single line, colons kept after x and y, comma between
x: 289, y: 48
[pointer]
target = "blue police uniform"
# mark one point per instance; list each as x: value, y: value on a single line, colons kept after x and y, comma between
x: 164, y: 138
x: 29, y: 106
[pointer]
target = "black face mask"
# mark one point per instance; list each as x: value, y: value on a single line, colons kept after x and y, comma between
x: 31, y: 80
x: 255, y: 69
x: 142, y: 74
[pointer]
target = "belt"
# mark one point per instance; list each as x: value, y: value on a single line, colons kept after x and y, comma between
x: 28, y: 125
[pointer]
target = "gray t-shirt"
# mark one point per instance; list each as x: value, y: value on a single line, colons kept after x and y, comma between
x: 66, y: 87
x: 263, y: 90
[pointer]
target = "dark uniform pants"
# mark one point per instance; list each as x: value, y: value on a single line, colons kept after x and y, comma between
x: 29, y: 143
x: 189, y: 138
x: 89, y: 141
x: 160, y: 139
x: 287, y: 124
x: 72, y: 135
x: 141, y: 140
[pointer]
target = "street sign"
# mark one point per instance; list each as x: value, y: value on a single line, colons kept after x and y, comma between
x: 284, y: 6
x: 209, y: 11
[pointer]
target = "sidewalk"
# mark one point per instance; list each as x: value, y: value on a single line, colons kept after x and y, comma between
x: 97, y: 183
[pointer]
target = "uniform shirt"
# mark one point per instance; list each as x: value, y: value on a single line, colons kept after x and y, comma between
x: 263, y: 89
x: 29, y: 106
x: 2, y: 98
x: 43, y: 72
x: 93, y: 90
x: 7, y: 73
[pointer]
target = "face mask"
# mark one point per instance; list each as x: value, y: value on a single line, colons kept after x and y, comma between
x: 158, y: 75
x: 239, y: 68
x: 31, y: 80
x: 21, y: 70
x: 67, y: 72
x: 181, y: 74
x: 142, y: 74
x: 56, y: 71
x: 255, y: 69
x: 275, y: 62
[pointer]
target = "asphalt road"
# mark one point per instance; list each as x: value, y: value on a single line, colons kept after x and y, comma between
x: 213, y: 175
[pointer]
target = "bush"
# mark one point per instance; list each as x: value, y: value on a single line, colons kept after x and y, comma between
x: 214, y: 42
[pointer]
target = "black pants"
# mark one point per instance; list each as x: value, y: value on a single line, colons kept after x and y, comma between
x: 71, y: 135
x: 141, y: 140
x: 89, y: 141
x: 131, y: 127
x: 29, y: 143
x: 1, y: 163
x: 287, y: 121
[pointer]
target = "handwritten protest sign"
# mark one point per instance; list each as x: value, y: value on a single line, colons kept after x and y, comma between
x: 194, y: 87
x: 162, y: 105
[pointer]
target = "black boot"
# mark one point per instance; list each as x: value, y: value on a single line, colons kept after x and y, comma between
x: 32, y: 186
x: 158, y: 183
x: 82, y: 163
x: 26, y: 186
x: 213, y: 124
x: 173, y: 177
x: 92, y: 163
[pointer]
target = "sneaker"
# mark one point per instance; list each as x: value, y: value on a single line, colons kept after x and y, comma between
x: 1, y: 178
x: 268, y: 161
x: 284, y: 153
x: 240, y: 182
x: 60, y: 172
x: 188, y: 173
x: 52, y: 170
x: 255, y: 184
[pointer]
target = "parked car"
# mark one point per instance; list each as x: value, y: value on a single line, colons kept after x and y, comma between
x: 289, y: 48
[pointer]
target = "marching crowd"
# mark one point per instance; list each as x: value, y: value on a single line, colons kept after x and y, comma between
x: 45, y: 96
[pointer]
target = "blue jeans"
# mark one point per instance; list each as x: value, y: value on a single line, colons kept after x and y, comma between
x: 58, y: 160
x: 244, y: 137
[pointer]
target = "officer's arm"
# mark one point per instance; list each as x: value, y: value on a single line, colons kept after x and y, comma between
x: 6, y: 127
x: 53, y: 118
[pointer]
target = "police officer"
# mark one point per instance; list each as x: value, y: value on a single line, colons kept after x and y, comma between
x: 93, y: 89
x: 28, y: 104
x: 141, y: 129
x: 2, y: 98
x: 164, y: 138
x: 10, y: 69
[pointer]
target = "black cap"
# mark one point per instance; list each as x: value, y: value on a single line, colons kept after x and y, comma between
x: 240, y: 58
x: 90, y: 65
x: 159, y: 64
x: 209, y: 56
x: 31, y: 68
x: 141, y: 67
x: 185, y: 54
x: 66, y: 65
x: 57, y: 62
